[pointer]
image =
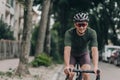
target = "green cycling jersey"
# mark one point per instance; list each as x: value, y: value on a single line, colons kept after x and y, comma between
x: 79, y: 44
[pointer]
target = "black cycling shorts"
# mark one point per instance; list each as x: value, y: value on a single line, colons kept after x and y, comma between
x: 83, y: 59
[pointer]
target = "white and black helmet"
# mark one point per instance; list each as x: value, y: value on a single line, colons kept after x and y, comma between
x: 79, y: 17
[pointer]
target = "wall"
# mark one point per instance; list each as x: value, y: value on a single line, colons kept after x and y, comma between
x: 9, y: 49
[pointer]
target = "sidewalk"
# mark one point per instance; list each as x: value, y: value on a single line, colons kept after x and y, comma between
x: 7, y: 64
x: 41, y: 73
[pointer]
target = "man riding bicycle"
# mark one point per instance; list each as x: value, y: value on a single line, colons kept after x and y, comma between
x: 76, y: 43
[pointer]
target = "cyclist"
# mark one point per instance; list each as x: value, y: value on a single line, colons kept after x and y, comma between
x: 76, y: 46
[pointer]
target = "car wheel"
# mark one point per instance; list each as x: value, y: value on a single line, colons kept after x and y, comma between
x: 116, y: 62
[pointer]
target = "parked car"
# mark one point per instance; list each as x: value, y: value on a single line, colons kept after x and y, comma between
x: 108, y: 49
x: 115, y: 57
x: 117, y: 60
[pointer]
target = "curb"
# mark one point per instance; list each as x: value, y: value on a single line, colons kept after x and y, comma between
x: 55, y: 76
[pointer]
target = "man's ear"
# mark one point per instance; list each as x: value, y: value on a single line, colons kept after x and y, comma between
x: 87, y: 24
x: 75, y: 25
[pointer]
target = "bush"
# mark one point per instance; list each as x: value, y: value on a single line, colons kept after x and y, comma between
x: 5, y: 32
x: 42, y: 60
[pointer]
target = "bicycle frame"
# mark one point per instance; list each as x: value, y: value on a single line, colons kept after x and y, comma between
x: 79, y: 73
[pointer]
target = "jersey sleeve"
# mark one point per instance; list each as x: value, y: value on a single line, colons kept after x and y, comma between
x: 93, y: 42
x: 67, y: 39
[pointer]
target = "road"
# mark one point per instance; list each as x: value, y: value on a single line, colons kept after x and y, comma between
x: 109, y: 72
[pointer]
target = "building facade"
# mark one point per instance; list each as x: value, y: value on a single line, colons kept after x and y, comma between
x: 12, y: 12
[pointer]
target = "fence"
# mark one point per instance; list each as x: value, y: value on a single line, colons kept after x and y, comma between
x: 9, y: 49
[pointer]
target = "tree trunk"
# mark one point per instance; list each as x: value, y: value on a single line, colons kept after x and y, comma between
x: 22, y: 69
x: 42, y: 28
x: 47, y: 38
x: 47, y: 43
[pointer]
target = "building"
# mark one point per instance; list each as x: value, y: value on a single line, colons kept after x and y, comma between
x: 12, y: 12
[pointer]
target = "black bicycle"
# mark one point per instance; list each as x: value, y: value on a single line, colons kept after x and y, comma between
x: 79, y: 73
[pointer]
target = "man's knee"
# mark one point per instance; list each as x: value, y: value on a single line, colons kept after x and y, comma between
x: 86, y: 67
x: 86, y: 74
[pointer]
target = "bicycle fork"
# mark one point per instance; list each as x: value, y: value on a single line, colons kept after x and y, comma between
x: 78, y: 74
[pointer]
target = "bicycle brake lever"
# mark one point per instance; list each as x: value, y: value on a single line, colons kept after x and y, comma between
x: 98, y: 75
x: 67, y: 77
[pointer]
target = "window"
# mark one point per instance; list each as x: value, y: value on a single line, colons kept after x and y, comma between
x: 10, y: 2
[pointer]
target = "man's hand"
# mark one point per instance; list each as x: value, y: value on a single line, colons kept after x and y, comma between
x: 68, y: 71
x: 95, y: 70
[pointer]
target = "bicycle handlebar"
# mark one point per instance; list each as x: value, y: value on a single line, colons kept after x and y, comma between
x: 86, y: 71
x: 83, y: 71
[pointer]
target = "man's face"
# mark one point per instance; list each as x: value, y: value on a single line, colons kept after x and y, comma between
x: 81, y: 26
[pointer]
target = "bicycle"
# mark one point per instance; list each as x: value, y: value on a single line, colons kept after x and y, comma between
x: 79, y: 73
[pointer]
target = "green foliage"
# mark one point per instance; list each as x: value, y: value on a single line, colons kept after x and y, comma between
x: 54, y: 50
x: 34, y: 40
x: 63, y: 1
x: 54, y: 43
x: 42, y: 60
x: 8, y: 73
x: 57, y: 40
x: 37, y: 2
x: 104, y: 15
x: 5, y: 32
x: 2, y: 73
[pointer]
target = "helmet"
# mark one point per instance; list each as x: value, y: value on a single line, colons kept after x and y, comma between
x: 79, y: 17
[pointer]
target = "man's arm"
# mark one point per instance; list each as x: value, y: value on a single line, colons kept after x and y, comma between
x: 67, y: 50
x: 95, y: 57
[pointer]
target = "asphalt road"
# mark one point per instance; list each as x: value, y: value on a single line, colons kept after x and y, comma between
x: 109, y: 72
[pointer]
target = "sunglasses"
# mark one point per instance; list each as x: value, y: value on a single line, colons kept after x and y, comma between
x: 81, y: 24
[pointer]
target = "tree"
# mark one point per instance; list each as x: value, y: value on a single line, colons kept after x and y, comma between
x: 42, y: 27
x: 102, y: 18
x: 47, y: 43
x: 47, y: 38
x: 108, y: 17
x: 22, y: 69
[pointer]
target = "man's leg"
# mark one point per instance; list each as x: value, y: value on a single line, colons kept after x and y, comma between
x: 86, y: 76
x: 85, y: 65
